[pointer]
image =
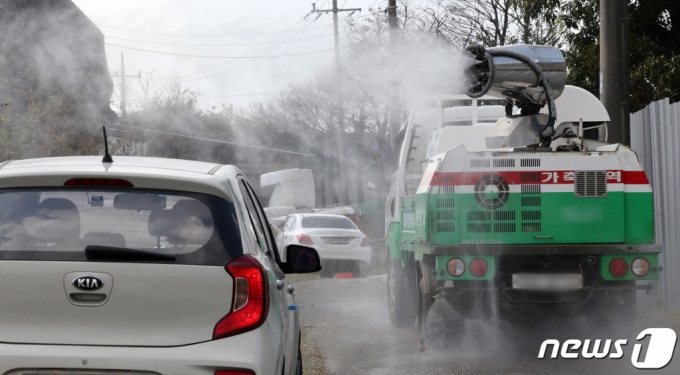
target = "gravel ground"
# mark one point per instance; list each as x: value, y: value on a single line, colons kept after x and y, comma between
x: 346, y: 322
x: 312, y: 359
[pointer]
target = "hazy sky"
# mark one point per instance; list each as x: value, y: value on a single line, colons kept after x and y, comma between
x: 231, y: 28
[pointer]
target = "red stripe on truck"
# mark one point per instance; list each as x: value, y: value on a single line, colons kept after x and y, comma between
x: 528, y: 178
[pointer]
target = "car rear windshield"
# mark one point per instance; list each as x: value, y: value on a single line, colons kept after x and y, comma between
x: 58, y: 224
x: 327, y: 222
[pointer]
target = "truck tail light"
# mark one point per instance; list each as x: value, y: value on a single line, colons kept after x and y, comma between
x: 250, y: 303
x: 618, y: 267
x: 478, y: 267
x: 639, y: 267
x: 455, y: 267
x: 305, y: 239
x: 366, y: 242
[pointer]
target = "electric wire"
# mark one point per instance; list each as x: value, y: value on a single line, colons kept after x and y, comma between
x: 247, y: 53
x: 189, y: 77
x: 209, y: 45
x: 234, y: 69
x: 202, y: 35
x: 285, y: 14
x: 205, y: 139
x: 237, y: 95
x: 215, y: 57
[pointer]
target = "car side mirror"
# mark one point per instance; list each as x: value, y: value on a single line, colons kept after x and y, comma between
x: 302, y: 259
x: 375, y: 177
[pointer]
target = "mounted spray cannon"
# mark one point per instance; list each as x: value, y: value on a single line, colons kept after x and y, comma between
x: 528, y: 77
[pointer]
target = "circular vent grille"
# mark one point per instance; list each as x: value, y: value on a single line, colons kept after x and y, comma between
x: 491, y: 191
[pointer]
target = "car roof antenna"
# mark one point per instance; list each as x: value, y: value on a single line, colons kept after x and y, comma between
x: 107, y: 157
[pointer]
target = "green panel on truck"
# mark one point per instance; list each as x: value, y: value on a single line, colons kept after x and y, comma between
x: 541, y: 218
x: 393, y: 237
x: 639, y: 218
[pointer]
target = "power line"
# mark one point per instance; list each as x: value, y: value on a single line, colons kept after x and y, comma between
x: 207, y: 139
x: 212, y: 45
x: 285, y: 14
x: 247, y: 53
x: 215, y: 57
x: 190, y: 78
x: 204, y: 35
x: 233, y: 96
x: 257, y: 63
x: 234, y: 69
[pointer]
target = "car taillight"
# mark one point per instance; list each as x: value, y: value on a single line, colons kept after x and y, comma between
x: 478, y: 267
x: 98, y: 182
x: 250, y: 303
x: 455, y: 267
x: 618, y: 267
x: 366, y: 242
x: 305, y: 239
x: 234, y: 372
x: 639, y: 267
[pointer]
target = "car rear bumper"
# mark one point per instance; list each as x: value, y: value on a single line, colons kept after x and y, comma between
x: 358, y: 253
x: 250, y: 350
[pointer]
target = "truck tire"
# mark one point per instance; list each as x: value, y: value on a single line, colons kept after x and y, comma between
x: 360, y: 270
x: 424, y: 305
x: 445, y: 328
x: 327, y: 270
x: 402, y: 294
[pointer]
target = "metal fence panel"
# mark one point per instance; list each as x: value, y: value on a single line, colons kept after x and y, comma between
x: 656, y: 139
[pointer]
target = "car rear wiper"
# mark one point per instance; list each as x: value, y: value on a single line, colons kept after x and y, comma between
x: 112, y: 253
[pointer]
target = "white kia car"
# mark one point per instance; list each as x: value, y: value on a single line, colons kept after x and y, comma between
x: 142, y: 266
x: 340, y: 244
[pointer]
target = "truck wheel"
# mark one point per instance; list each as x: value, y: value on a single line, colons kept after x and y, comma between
x: 359, y: 270
x: 446, y: 326
x: 327, y: 270
x: 402, y: 293
x: 424, y: 305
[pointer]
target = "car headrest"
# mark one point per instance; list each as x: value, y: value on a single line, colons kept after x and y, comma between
x: 55, y: 219
x: 104, y: 239
x: 161, y: 222
x: 193, y: 223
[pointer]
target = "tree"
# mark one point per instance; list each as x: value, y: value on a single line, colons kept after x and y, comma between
x: 654, y: 47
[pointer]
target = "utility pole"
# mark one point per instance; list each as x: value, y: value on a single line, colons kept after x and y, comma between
x: 344, y: 197
x: 614, y: 68
x: 394, y: 117
x: 123, y: 109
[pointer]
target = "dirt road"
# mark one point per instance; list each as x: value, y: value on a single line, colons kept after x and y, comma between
x: 349, y: 322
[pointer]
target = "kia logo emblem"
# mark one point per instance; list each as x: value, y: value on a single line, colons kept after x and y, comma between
x: 87, y: 282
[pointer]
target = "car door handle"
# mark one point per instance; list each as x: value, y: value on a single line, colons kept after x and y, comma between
x: 279, y: 284
x: 290, y: 289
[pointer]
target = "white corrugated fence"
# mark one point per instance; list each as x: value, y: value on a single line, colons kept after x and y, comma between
x: 656, y: 139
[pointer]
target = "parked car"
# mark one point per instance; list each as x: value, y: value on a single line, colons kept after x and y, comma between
x: 340, y: 244
x: 142, y: 266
